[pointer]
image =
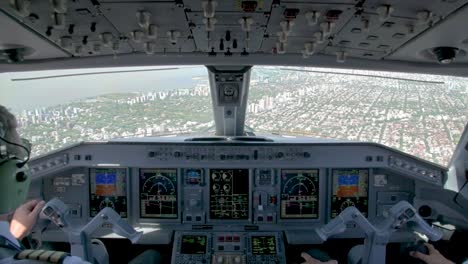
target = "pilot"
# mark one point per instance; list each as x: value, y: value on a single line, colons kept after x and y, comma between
x: 13, y: 155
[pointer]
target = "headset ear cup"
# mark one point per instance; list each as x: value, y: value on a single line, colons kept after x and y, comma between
x: 14, y: 185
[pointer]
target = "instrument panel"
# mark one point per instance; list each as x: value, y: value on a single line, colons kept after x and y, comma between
x: 158, y: 193
x: 350, y: 188
x: 108, y: 188
x: 229, y: 194
x: 286, y: 188
x: 299, y: 194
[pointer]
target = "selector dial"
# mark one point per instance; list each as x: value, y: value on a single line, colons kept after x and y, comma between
x: 346, y: 204
x: 106, y: 203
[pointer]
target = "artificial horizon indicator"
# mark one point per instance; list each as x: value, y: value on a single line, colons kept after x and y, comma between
x: 108, y: 188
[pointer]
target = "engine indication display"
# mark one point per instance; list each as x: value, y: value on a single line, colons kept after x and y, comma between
x: 193, y: 244
x: 263, y: 245
x: 300, y: 194
x: 158, y: 193
x: 350, y: 188
x: 108, y: 188
x: 229, y: 194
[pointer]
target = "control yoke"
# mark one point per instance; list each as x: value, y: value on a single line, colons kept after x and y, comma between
x: 377, y: 235
x: 80, y: 237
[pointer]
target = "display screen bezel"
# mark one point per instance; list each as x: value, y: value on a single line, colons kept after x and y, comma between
x: 177, y: 186
x: 263, y: 254
x: 332, y: 190
x: 319, y: 185
x: 127, y: 187
x: 183, y: 249
x: 208, y: 197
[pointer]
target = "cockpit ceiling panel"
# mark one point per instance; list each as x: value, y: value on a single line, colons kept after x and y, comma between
x: 22, y: 39
x: 362, y: 29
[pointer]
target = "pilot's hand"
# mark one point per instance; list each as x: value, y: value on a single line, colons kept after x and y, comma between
x: 434, y: 256
x: 311, y: 260
x: 25, y: 218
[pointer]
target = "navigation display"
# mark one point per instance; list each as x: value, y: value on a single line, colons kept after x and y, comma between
x: 263, y: 245
x: 108, y: 188
x: 158, y: 193
x: 300, y: 194
x: 350, y: 188
x: 229, y: 194
x: 192, y: 244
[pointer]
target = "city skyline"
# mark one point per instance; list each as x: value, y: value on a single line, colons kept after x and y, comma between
x: 423, y: 117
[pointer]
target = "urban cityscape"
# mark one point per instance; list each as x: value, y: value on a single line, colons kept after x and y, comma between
x: 419, y: 114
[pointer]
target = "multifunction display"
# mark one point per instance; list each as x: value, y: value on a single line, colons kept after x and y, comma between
x: 350, y: 188
x: 263, y: 245
x: 108, y: 188
x: 229, y: 193
x: 300, y: 194
x: 193, y: 244
x: 158, y: 193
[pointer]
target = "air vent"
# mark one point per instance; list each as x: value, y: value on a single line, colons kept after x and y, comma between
x: 203, y: 139
x: 251, y: 139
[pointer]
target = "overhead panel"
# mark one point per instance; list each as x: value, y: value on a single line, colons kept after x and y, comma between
x: 371, y: 29
x: 229, y: 35
x: 295, y: 24
x: 164, y: 18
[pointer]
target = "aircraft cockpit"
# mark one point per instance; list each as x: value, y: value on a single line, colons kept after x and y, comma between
x: 239, y: 132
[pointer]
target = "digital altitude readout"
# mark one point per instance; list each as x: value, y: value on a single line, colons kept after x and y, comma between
x: 193, y: 244
x: 263, y: 245
x: 229, y: 194
x: 300, y: 194
x: 108, y: 188
x: 350, y: 188
x: 158, y: 193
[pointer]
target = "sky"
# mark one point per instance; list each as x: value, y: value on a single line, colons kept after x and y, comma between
x: 18, y: 95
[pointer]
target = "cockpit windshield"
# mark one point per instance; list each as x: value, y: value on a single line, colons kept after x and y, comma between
x: 423, y: 115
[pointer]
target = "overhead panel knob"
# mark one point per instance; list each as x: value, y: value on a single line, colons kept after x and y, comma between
x: 22, y: 7
x: 152, y: 31
x: 59, y: 6
x: 209, y: 8
x: 143, y: 18
x: 312, y: 17
x: 58, y: 20
x: 384, y: 12
x: 106, y: 38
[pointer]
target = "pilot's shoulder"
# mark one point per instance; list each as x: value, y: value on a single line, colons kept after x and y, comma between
x: 38, y: 256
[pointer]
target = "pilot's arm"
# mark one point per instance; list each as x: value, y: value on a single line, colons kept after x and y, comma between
x: 310, y: 260
x: 434, y: 256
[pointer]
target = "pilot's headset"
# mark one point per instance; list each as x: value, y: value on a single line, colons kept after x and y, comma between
x: 15, y: 175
